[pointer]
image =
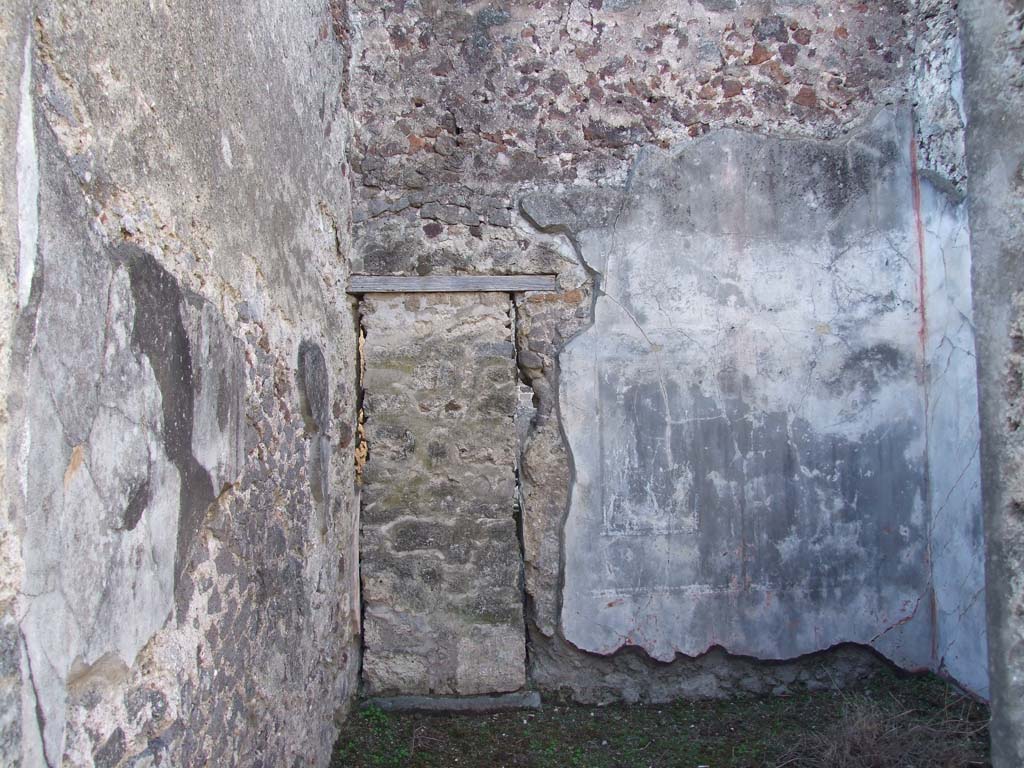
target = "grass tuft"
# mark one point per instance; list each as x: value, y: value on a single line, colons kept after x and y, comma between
x: 904, y: 731
x: 892, y: 721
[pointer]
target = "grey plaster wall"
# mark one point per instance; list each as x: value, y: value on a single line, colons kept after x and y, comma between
x: 750, y: 415
x: 441, y: 561
x: 994, y: 96
x: 179, y: 490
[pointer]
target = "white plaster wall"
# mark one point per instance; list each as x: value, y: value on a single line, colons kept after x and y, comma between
x: 954, y: 473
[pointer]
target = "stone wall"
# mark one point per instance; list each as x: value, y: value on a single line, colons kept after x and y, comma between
x: 993, y: 36
x: 460, y: 102
x: 180, y: 572
x: 443, y: 608
x: 509, y: 138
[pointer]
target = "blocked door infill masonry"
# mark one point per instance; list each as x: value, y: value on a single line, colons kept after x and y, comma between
x: 441, y: 560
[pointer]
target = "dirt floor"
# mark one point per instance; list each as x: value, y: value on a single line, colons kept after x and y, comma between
x: 891, y: 720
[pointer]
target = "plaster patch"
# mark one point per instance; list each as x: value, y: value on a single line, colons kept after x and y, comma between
x: 225, y: 149
x: 751, y: 387
x: 28, y: 184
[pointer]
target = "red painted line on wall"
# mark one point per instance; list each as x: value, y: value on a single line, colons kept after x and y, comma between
x: 922, y: 334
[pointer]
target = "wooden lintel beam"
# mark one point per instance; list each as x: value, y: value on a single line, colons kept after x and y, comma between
x: 449, y: 283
